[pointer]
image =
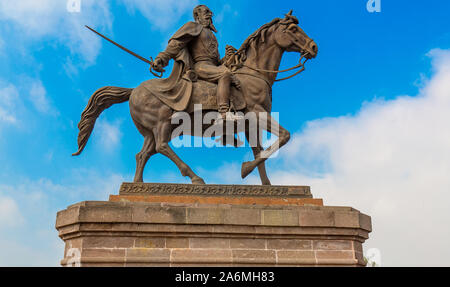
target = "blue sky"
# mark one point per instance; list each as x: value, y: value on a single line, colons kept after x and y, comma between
x: 366, y: 132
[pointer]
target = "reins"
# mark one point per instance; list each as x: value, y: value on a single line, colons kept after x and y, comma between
x: 299, y: 65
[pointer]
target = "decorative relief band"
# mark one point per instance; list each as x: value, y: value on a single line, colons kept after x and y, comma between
x: 214, y: 189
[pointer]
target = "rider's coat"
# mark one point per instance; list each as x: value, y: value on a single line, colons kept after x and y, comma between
x: 194, y: 48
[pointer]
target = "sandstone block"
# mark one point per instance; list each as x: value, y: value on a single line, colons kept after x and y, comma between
x: 173, y: 242
x: 242, y: 216
x: 108, y: 242
x: 296, y: 257
x: 205, y: 215
x: 254, y: 256
x: 247, y: 243
x: 332, y: 245
x: 150, y: 242
x: 316, y: 218
x: 209, y: 243
x: 150, y: 233
x: 199, y: 256
x: 293, y: 244
x: 159, y: 214
x: 280, y: 217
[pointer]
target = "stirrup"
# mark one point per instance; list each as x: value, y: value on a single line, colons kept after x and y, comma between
x: 229, y: 117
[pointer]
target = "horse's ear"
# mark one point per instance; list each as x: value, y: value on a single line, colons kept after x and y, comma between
x: 289, y: 17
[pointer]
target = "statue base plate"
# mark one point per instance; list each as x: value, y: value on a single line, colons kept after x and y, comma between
x: 150, y: 228
x: 216, y: 194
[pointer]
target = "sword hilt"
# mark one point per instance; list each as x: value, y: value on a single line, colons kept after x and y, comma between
x: 155, y: 73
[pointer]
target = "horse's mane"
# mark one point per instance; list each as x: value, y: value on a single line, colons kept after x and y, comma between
x: 241, y: 54
x: 260, y: 34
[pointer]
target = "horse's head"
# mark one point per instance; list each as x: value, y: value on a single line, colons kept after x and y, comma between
x: 290, y: 37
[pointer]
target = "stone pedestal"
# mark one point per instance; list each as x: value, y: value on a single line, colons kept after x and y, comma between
x: 212, y: 225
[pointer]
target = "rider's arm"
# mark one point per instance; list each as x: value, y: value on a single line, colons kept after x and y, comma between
x: 172, y: 50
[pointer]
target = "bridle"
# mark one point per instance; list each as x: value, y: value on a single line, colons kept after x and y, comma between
x: 300, y: 65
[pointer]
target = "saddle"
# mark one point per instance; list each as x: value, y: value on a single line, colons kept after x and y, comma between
x: 205, y: 93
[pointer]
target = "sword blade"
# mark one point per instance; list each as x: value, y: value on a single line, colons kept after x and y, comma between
x: 121, y: 47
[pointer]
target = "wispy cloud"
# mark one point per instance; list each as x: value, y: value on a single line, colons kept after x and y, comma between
x: 14, y: 100
x: 38, y: 96
x: 162, y: 14
x: 108, y: 134
x: 9, y: 98
x: 226, y: 10
x: 2, y: 44
x: 49, y: 19
x: 9, y: 212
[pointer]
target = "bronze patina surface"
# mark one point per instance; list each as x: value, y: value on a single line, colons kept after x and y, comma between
x: 216, y: 194
x: 164, y: 224
x: 243, y: 79
x: 215, y: 190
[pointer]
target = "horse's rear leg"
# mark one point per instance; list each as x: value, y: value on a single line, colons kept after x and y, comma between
x: 163, y: 135
x: 143, y: 156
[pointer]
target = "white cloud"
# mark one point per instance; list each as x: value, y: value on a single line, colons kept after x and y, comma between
x: 29, y: 237
x: 108, y: 134
x: 9, y: 212
x: 49, y: 155
x: 38, y: 96
x: 70, y: 67
x: 9, y: 98
x: 2, y: 44
x: 49, y: 19
x: 391, y: 161
x: 162, y: 14
x: 12, y: 99
x: 221, y: 15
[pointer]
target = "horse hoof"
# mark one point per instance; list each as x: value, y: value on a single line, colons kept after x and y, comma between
x: 247, y: 168
x: 198, y: 181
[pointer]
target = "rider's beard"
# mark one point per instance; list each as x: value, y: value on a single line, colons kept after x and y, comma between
x: 207, y: 23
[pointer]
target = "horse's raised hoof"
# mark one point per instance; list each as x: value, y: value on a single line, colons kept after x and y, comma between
x: 198, y: 180
x: 247, y: 168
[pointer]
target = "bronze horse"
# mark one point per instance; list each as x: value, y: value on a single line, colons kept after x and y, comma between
x: 256, y: 66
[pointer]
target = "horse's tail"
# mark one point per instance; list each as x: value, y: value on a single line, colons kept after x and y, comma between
x: 101, y: 100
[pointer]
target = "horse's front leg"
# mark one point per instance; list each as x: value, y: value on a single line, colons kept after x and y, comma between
x: 273, y: 127
x: 256, y: 151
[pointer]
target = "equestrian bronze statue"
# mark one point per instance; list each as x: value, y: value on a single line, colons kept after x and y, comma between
x: 241, y: 82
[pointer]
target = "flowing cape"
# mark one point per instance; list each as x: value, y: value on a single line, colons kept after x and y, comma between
x: 176, y: 90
